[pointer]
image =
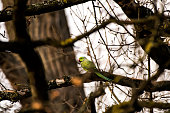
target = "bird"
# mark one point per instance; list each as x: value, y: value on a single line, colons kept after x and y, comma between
x: 88, y: 65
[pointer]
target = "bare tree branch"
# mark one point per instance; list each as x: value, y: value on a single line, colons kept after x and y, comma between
x: 151, y: 104
x: 147, y: 33
x: 126, y: 108
x: 67, y: 81
x: 15, y: 46
x: 90, y: 101
x: 40, y: 8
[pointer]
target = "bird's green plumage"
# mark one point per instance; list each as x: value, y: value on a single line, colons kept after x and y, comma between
x: 88, y: 65
x: 102, y: 76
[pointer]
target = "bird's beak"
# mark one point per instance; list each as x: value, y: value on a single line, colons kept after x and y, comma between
x: 78, y: 61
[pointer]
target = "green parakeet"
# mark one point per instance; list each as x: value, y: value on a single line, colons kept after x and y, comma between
x: 88, y: 65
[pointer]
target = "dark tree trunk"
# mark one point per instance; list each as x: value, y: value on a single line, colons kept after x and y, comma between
x: 57, y: 62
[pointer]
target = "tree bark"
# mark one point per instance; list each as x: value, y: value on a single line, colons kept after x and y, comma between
x: 57, y: 62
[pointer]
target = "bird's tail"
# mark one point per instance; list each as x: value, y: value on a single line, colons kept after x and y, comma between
x: 102, y: 76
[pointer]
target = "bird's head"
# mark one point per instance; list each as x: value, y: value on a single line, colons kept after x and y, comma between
x: 82, y: 58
